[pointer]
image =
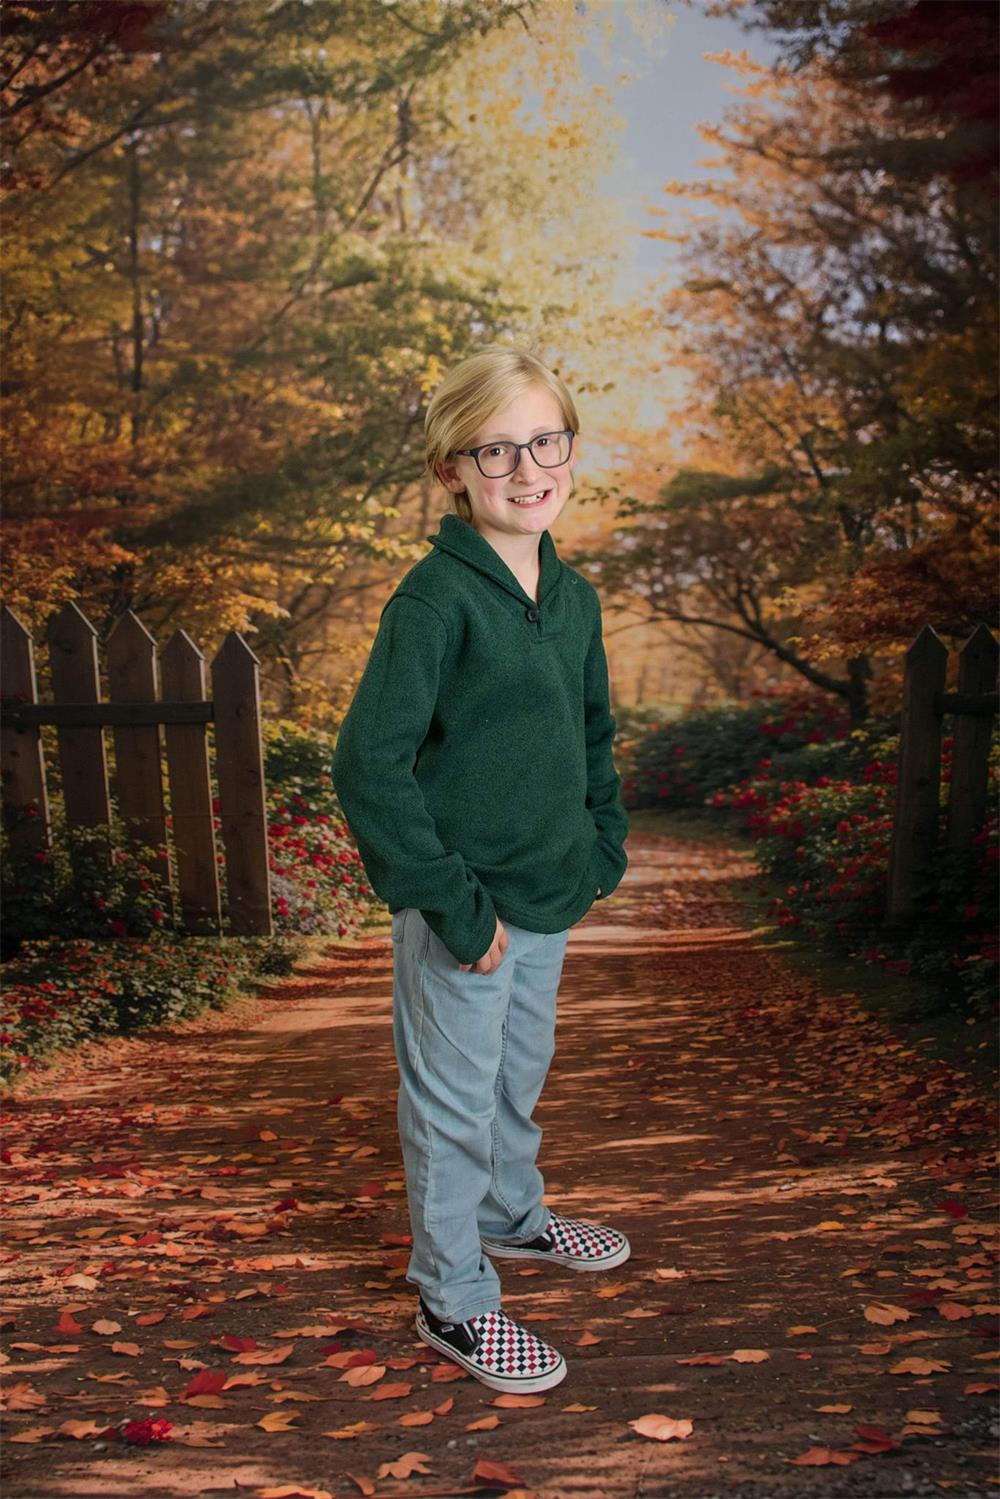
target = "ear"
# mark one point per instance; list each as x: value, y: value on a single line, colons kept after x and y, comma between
x: 448, y: 475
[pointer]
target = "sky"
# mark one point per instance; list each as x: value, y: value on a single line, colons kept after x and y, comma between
x: 663, y: 87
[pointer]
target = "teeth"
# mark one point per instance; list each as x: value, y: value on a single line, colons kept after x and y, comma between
x: 528, y: 499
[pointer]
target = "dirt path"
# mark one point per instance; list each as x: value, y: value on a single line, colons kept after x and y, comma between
x: 811, y: 1206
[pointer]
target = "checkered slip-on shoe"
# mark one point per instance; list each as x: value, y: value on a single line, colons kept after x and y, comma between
x: 568, y: 1241
x: 494, y: 1349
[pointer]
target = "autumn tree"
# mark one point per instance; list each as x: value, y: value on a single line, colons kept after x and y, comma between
x: 243, y: 240
x: 838, y: 324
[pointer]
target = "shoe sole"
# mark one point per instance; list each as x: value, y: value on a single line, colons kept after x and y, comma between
x: 518, y: 1384
x: 514, y: 1252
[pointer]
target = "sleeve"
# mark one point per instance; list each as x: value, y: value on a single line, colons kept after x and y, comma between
x: 373, y: 777
x: 603, y: 781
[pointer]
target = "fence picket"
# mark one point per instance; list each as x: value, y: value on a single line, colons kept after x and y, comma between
x: 131, y: 669
x: 22, y: 764
x: 239, y: 764
x: 182, y: 671
x: 970, y: 748
x: 72, y: 642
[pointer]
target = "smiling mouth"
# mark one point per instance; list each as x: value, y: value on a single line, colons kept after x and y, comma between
x: 525, y: 501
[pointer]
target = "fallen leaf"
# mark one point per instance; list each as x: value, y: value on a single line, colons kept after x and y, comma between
x: 417, y: 1418
x: 517, y: 1402
x: 294, y: 1491
x: 920, y: 1366
x: 749, y: 1356
x: 345, y: 1433
x: 276, y: 1356
x: 485, y: 1469
x: 104, y: 1327
x: 131, y: 1349
x: 403, y: 1467
x: 823, y: 1457
x: 391, y: 1391
x: 485, y: 1423
x: 278, y: 1420
x: 363, y: 1374
x: 662, y: 1428
x: 587, y: 1340
x: 885, y: 1314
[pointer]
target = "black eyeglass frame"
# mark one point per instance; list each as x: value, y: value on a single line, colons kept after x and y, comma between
x: 520, y: 446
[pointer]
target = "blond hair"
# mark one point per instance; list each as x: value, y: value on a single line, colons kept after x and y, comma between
x: 472, y: 392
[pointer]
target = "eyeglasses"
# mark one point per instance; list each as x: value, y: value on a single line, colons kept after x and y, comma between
x: 495, y: 459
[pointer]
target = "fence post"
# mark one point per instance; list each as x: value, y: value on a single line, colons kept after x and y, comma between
x: 82, y: 761
x: 22, y: 764
x: 239, y: 764
x: 182, y: 672
x: 970, y: 745
x: 919, y: 772
x: 131, y: 668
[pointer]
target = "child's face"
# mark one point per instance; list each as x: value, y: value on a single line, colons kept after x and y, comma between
x: 533, y: 412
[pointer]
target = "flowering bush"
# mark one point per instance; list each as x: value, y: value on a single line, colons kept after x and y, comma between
x: 58, y: 992
x: 681, y: 763
x: 88, y: 883
x: 318, y: 882
x: 828, y: 844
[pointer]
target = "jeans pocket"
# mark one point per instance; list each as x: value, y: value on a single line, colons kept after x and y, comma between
x: 399, y: 922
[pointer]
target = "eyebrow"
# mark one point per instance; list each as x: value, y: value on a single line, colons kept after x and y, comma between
x: 504, y: 437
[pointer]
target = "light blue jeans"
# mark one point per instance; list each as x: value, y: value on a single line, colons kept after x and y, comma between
x: 473, y: 1050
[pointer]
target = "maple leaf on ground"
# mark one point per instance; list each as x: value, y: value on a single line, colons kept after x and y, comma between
x: 823, y: 1457
x: 403, y: 1467
x: 486, y: 1469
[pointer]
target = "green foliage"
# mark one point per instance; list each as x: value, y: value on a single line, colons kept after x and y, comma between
x: 680, y: 763
x: 57, y: 992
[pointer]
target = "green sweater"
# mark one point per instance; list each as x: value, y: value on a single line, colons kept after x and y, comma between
x: 474, y: 764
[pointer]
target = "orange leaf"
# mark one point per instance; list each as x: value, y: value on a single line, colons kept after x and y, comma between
x: 78, y: 1430
x: 363, y: 1374
x: 662, y: 1428
x: 295, y: 1491
x: 278, y: 1420
x: 132, y: 1349
x: 403, y: 1467
x: 885, y: 1314
x: 921, y: 1366
x: 587, y: 1340
x: 21, y: 1397
x: 344, y: 1433
x: 445, y: 1406
x: 276, y: 1355
x: 31, y: 1434
x: 391, y: 1391
x: 954, y: 1311
x: 485, y: 1423
x: 485, y: 1469
x: 749, y: 1356
x: 417, y: 1418
x: 68, y: 1324
x: 824, y: 1457
x: 517, y: 1402
x: 615, y: 1289
x: 104, y: 1327
x: 364, y: 1484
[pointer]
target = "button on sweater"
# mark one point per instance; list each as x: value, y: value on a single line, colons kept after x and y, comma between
x: 474, y: 764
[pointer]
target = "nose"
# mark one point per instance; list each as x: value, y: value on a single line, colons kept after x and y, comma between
x: 526, y: 465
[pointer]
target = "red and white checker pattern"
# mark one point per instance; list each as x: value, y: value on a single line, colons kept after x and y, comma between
x: 580, y: 1240
x: 505, y: 1347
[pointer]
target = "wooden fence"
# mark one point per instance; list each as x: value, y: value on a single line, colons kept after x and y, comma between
x: 136, y: 707
x: 915, y: 840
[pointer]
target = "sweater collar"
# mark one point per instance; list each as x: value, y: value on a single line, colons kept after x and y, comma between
x: 461, y: 540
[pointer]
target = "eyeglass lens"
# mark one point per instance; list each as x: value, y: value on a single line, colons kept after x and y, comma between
x: 548, y: 451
